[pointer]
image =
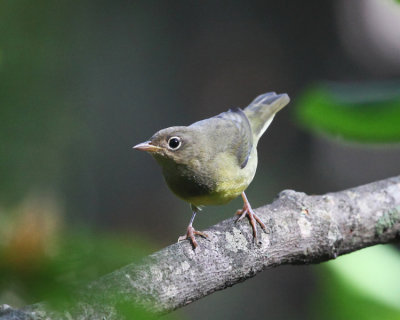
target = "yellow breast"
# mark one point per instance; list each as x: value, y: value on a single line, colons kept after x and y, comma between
x: 230, y: 179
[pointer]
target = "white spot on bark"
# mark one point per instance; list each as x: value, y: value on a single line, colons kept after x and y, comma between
x: 156, y: 273
x: 352, y: 195
x: 328, y: 199
x: 235, y: 241
x: 170, y: 291
x: 394, y: 190
x: 305, y: 227
x: 333, y: 234
x: 130, y: 279
x: 365, y: 205
x: 185, y: 266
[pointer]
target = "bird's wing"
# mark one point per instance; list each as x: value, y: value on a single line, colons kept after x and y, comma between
x: 244, y: 143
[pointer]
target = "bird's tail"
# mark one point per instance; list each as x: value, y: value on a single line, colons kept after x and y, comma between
x: 261, y: 111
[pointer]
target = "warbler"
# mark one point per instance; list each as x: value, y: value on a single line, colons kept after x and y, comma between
x: 212, y: 161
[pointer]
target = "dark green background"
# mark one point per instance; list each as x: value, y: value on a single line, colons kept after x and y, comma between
x: 82, y: 82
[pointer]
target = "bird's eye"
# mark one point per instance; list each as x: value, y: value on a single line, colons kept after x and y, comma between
x: 174, y: 143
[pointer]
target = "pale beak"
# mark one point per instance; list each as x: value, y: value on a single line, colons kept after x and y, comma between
x: 146, y: 146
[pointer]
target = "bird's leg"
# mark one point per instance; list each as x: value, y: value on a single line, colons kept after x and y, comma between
x: 249, y: 212
x: 191, y: 232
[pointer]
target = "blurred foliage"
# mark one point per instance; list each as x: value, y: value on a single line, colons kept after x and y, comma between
x: 38, y: 122
x: 361, y: 285
x: 368, y: 112
x: 43, y: 260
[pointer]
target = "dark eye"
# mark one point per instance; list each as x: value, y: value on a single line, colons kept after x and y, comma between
x: 174, y: 143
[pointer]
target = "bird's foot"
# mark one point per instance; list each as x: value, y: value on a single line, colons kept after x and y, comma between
x: 191, y: 232
x: 253, y: 218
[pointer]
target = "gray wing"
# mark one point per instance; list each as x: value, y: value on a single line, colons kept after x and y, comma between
x: 244, y: 139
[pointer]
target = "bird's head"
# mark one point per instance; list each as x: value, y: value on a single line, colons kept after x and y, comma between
x: 176, y: 144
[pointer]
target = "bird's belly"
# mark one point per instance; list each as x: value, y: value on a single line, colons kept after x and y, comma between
x: 222, y: 195
x: 193, y: 190
x: 230, y: 182
x: 222, y: 184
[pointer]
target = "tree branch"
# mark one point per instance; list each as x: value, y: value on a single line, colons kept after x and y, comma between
x: 301, y: 229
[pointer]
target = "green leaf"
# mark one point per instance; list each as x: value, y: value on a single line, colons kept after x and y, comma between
x: 361, y: 285
x: 373, y: 272
x: 368, y: 112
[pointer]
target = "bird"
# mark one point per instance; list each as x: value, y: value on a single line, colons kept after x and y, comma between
x: 213, y: 161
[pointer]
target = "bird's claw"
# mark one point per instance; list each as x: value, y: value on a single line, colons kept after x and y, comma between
x: 242, y: 213
x: 253, y: 218
x: 191, y: 232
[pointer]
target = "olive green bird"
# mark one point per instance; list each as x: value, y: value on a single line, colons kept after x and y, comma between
x: 214, y: 160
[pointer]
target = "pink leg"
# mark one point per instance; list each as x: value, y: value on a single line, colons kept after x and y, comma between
x: 249, y: 212
x: 191, y: 232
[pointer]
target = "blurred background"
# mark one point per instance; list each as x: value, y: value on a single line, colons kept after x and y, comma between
x: 82, y: 82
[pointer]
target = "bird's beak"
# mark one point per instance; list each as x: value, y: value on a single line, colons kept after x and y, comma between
x: 146, y: 146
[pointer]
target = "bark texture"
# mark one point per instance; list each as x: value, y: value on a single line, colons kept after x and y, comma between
x: 301, y: 229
